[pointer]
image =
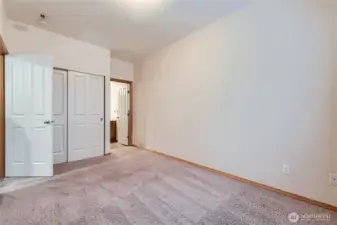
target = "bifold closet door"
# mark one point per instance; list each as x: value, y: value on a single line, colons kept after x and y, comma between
x: 60, y: 114
x: 85, y: 116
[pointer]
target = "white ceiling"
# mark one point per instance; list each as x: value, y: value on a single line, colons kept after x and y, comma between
x: 129, y: 28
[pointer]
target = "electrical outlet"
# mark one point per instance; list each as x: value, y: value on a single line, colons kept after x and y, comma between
x: 286, y: 169
x: 333, y: 179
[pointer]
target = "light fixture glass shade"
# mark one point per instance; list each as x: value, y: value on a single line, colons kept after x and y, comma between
x: 142, y: 8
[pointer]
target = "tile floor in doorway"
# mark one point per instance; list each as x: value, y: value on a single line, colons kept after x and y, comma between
x: 116, y: 145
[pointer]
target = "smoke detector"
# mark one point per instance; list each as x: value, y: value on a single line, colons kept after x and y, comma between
x: 42, y: 18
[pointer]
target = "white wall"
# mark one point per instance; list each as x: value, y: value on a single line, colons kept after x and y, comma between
x: 68, y: 54
x: 2, y: 18
x: 121, y: 70
x: 247, y: 94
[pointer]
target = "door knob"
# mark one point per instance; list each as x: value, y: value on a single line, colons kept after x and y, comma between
x: 47, y: 122
x: 101, y: 119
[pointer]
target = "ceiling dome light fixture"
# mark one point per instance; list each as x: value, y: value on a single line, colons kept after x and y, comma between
x: 143, y: 8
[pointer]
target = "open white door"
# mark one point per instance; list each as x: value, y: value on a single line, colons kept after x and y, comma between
x: 29, y: 137
x: 123, y: 112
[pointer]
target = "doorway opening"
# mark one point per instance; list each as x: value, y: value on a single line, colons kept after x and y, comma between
x: 120, y: 113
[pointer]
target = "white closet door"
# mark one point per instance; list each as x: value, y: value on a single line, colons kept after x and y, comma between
x: 77, y: 115
x: 95, y: 115
x: 60, y: 110
x: 29, y: 137
x: 86, y: 116
x: 123, y: 110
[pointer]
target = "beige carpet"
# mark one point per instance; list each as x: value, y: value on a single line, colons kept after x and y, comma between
x: 138, y: 187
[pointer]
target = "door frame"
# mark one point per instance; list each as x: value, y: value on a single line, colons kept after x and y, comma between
x: 3, y: 52
x: 130, y: 130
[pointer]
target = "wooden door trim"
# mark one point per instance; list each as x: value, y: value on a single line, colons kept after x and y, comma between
x: 131, y: 107
x: 3, y: 52
x: 3, y: 48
